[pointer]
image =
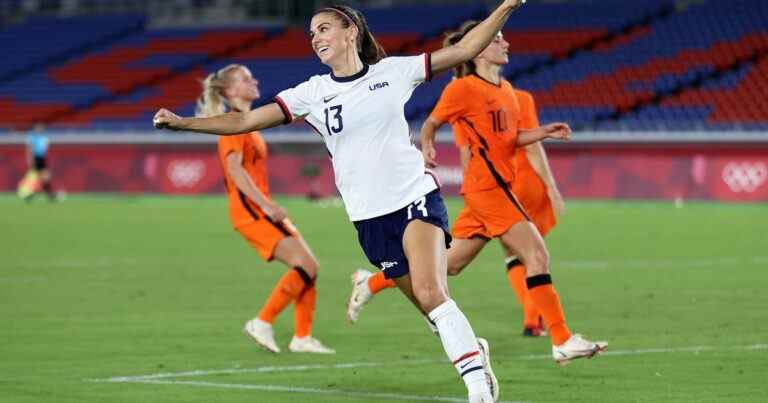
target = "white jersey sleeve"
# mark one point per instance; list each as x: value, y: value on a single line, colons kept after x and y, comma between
x: 296, y: 102
x: 417, y: 69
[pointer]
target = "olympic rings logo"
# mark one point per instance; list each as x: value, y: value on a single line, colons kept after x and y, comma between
x: 186, y: 174
x: 745, y: 177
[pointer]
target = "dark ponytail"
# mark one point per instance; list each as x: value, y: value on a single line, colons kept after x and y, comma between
x: 368, y: 48
x: 452, y: 38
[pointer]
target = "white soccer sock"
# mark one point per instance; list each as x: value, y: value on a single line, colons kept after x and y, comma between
x: 432, y: 327
x: 460, y: 345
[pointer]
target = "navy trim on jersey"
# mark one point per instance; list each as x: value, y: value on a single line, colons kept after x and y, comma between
x: 286, y: 112
x: 428, y: 66
x: 489, y: 82
x: 353, y: 77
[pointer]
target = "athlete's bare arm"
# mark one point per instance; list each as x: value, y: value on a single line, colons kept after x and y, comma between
x: 538, y: 159
x: 475, y: 40
x: 245, y: 184
x: 228, y: 124
x: 558, y: 131
x: 428, y: 134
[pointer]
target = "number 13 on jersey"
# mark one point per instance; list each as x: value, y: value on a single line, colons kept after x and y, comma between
x: 333, y: 114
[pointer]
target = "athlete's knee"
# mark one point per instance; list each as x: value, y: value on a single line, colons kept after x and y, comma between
x: 429, y: 296
x: 537, y: 262
x: 310, y: 265
x: 455, y: 268
x: 305, y: 261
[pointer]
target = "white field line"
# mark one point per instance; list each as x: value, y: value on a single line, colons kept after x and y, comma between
x: 167, y: 378
x: 294, y: 389
x: 682, y: 263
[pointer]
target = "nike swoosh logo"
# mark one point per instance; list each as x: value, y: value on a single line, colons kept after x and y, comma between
x: 465, y: 364
x: 329, y: 98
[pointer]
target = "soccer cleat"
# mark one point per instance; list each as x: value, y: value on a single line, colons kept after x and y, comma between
x: 483, y: 398
x: 261, y: 332
x: 360, y: 294
x: 493, y: 383
x: 577, y: 347
x: 309, y: 344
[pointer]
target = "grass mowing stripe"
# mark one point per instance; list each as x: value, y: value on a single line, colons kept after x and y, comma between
x: 334, y: 392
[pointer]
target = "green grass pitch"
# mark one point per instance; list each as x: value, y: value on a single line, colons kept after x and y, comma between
x: 101, y: 287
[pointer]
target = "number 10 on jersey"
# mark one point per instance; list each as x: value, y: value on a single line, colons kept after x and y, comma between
x: 333, y: 122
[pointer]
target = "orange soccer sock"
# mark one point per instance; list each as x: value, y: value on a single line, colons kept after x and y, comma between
x: 377, y: 282
x: 547, y: 301
x: 287, y: 289
x: 516, y: 275
x: 304, y: 312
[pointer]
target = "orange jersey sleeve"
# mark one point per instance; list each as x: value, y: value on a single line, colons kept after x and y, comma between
x: 453, y: 102
x: 529, y: 118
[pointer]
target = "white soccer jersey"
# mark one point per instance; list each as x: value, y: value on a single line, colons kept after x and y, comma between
x: 361, y: 118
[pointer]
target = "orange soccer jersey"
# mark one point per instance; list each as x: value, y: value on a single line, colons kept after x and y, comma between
x: 527, y: 186
x: 491, y: 115
x: 257, y: 229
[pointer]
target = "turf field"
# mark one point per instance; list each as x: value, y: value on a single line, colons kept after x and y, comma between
x: 142, y: 299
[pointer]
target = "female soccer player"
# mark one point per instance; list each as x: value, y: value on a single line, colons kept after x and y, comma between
x: 259, y: 219
x: 486, y: 114
x: 394, y: 204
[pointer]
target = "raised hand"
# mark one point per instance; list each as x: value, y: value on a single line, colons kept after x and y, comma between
x: 165, y: 119
x: 513, y: 3
x: 559, y: 131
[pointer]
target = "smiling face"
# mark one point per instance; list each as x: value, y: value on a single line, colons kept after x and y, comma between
x: 242, y: 85
x: 331, y: 40
x: 497, y: 52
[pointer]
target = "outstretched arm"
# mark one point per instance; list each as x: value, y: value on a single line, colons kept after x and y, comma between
x: 475, y: 40
x: 264, y: 117
x: 558, y: 131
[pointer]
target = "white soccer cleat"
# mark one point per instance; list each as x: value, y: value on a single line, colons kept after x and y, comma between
x: 261, y: 332
x: 485, y: 353
x: 360, y: 294
x: 577, y: 347
x: 309, y: 344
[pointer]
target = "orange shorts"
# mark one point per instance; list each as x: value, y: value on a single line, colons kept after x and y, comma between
x: 488, y: 214
x: 264, y: 235
x: 532, y: 194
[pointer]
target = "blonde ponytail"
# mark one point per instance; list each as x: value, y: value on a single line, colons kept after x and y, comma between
x: 212, y: 101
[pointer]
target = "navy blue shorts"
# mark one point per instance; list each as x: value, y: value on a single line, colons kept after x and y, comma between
x: 382, y: 237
